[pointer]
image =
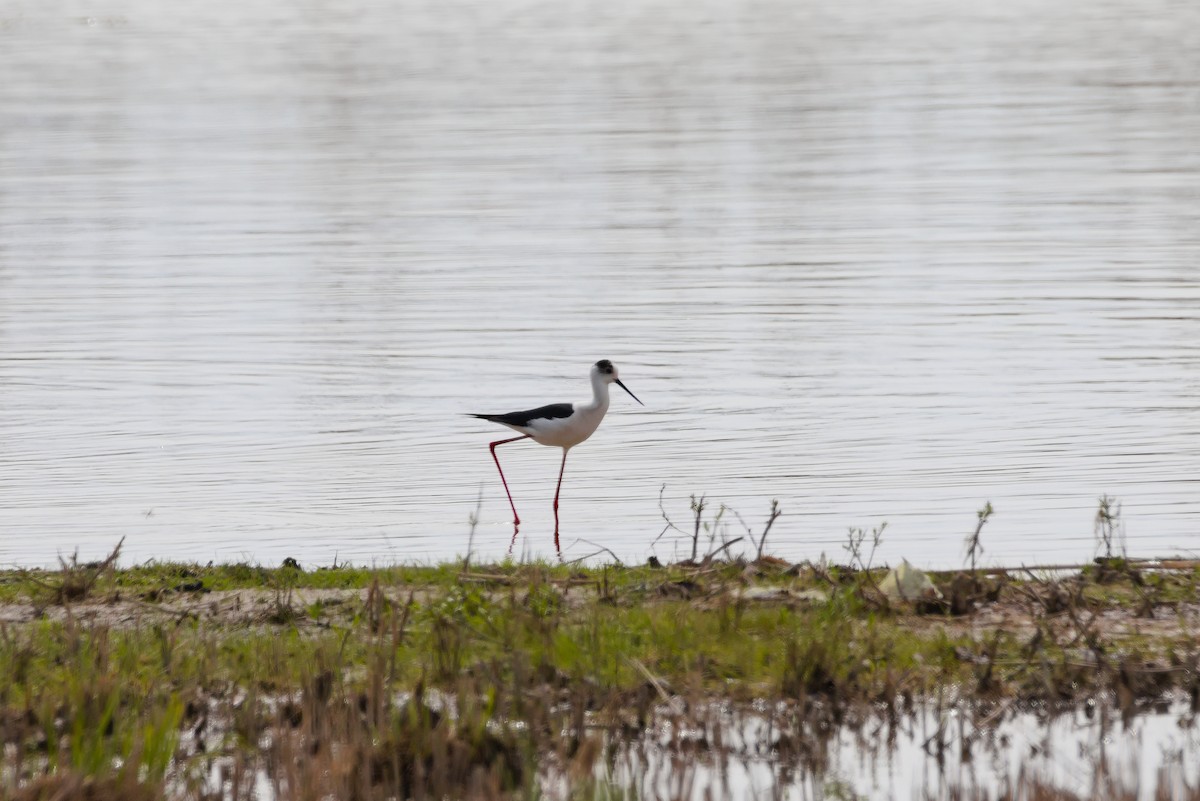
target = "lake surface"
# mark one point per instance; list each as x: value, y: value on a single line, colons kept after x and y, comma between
x: 881, y: 261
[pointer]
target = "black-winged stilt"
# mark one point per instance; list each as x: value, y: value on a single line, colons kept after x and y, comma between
x: 564, y: 425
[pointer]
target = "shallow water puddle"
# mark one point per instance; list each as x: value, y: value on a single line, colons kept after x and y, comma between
x: 877, y: 760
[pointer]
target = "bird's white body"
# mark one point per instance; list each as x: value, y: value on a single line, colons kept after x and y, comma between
x: 567, y: 432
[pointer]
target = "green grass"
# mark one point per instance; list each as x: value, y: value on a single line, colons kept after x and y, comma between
x: 605, y: 624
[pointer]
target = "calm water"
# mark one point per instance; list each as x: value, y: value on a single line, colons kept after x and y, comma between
x: 881, y: 261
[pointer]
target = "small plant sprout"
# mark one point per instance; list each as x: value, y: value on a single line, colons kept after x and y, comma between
x: 974, y: 543
x: 855, y: 540
x: 697, y: 512
x: 1109, y: 528
x: 775, y: 513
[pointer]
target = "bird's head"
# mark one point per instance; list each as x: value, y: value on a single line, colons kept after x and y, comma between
x: 607, y: 372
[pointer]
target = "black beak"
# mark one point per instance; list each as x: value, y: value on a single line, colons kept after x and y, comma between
x: 622, y: 386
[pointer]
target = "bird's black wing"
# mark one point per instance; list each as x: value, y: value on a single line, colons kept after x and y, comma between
x: 554, y: 410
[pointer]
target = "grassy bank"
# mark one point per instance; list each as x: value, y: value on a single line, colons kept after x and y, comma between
x: 356, y: 683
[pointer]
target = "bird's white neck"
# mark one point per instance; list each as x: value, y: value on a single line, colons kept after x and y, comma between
x: 599, y: 393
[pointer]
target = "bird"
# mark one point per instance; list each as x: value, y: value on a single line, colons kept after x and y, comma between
x: 563, y: 425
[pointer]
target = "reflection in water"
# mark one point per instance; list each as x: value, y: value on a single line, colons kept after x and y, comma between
x: 931, y: 754
x: 877, y: 262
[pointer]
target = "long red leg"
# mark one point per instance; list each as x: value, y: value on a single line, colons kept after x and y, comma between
x: 492, y: 447
x: 556, y: 491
